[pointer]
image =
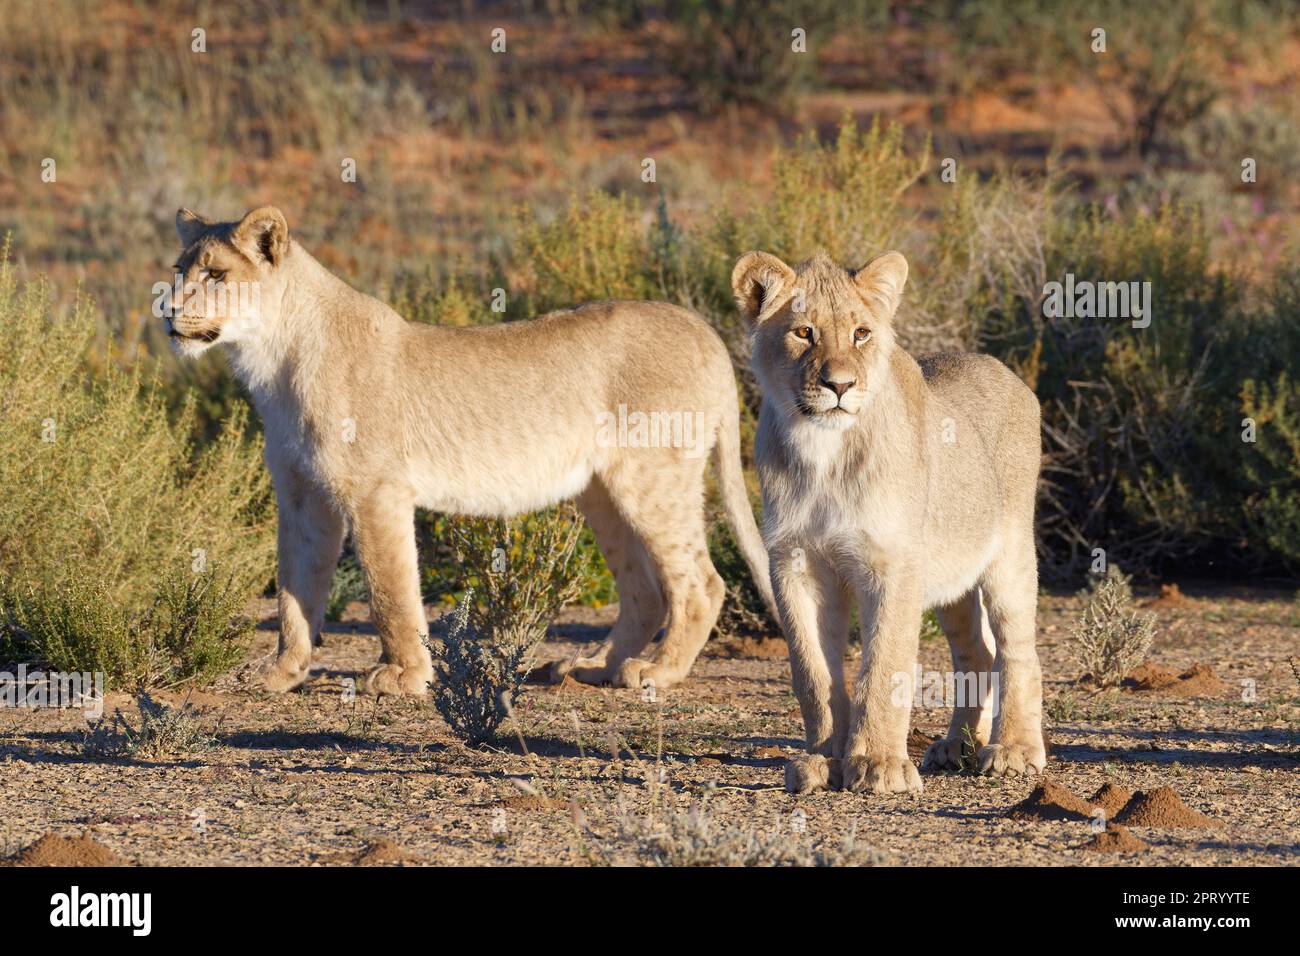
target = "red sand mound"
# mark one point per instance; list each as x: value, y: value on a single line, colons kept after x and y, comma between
x: 54, y: 850
x: 1170, y: 596
x: 1197, y: 681
x: 1162, y: 807
x: 568, y: 685
x: 1051, y: 801
x: 1111, y: 798
x: 384, y: 853
x: 1115, y: 839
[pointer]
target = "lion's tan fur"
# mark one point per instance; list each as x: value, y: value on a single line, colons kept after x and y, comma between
x: 912, y: 489
x: 368, y: 416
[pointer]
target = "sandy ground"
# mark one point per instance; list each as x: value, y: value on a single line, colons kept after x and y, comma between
x: 317, y: 777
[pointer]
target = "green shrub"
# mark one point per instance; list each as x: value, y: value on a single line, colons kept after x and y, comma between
x: 740, y: 51
x: 445, y: 300
x: 1126, y: 410
x: 1271, y: 463
x: 194, y: 628
x: 123, y: 548
x: 519, y: 574
x: 596, y: 248
x: 443, y: 577
x: 845, y: 197
x: 347, y: 585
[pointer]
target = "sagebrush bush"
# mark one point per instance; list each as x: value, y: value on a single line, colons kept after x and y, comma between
x: 1110, y: 638
x: 123, y: 547
x: 519, y: 574
x: 164, y: 731
x: 476, y: 681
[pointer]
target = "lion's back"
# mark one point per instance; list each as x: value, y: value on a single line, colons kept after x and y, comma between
x: 1001, y: 407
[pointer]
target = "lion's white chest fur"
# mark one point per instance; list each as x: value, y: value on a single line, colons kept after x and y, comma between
x: 864, y: 500
x: 826, y: 500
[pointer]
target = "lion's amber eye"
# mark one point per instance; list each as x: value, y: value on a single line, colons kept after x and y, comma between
x: 861, y: 334
x: 804, y: 332
x: 216, y: 275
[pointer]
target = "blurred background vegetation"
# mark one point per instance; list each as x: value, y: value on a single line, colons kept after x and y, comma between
x: 523, y: 170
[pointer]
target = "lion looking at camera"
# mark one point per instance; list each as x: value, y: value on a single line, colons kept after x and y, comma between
x: 896, y: 486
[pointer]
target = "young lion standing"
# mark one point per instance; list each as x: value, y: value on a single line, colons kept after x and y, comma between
x: 368, y: 416
x: 901, y: 486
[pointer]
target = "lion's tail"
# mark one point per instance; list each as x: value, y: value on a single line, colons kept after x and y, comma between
x: 735, y: 501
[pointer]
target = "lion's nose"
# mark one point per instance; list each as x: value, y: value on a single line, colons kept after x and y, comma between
x: 839, y: 388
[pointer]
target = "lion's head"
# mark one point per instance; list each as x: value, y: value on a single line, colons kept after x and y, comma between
x: 822, y: 334
x: 226, y: 278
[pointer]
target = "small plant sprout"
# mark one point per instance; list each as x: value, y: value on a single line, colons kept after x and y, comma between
x: 969, y: 749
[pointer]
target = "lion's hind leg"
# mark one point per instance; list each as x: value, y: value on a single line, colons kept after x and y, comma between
x: 641, y: 606
x: 662, y: 500
x: 1011, y: 592
x: 970, y: 640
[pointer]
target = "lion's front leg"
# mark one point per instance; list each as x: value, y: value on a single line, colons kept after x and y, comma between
x: 383, y: 528
x: 814, y: 614
x: 876, y: 757
x: 309, y: 538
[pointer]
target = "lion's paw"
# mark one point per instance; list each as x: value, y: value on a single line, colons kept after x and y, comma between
x: 881, y: 775
x: 283, y: 675
x: 585, y: 670
x: 393, y: 680
x: 808, y: 772
x: 646, y: 675
x: 1000, y: 760
x: 561, y: 669
x: 944, y: 754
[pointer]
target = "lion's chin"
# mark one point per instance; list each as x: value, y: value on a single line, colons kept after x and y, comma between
x: 188, y: 348
x: 832, y: 419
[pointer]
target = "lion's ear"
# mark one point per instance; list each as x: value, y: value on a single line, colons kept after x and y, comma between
x: 757, y: 280
x: 263, y: 234
x: 880, y: 283
x: 189, y: 226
